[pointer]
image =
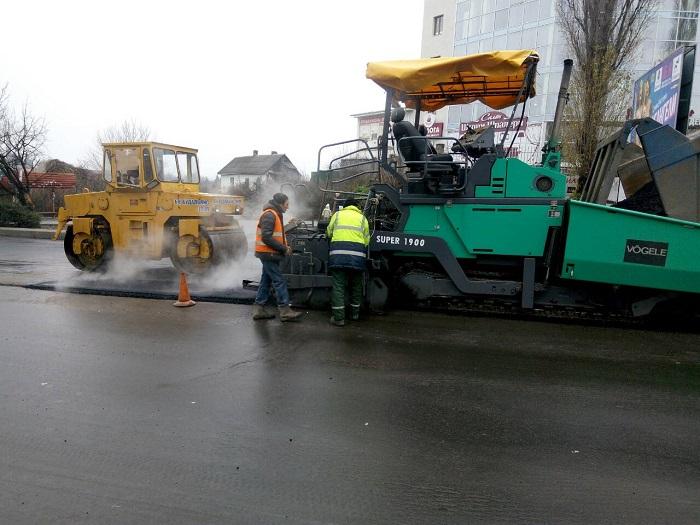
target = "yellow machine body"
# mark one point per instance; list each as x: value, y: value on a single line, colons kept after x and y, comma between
x: 152, y: 208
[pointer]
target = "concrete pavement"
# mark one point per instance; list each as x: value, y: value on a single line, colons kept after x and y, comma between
x: 29, y: 233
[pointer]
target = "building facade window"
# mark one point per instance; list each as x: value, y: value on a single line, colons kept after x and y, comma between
x: 437, y: 25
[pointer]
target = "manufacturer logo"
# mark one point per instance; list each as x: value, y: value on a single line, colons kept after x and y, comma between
x: 191, y: 202
x: 646, y: 252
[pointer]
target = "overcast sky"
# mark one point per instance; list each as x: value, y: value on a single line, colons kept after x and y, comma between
x: 223, y: 77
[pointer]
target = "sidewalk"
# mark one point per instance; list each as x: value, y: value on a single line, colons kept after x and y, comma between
x: 29, y: 233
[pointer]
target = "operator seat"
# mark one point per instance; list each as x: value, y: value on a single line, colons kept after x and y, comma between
x: 412, y: 150
x: 439, y: 169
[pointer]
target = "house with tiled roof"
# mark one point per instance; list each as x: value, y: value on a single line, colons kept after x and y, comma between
x: 254, y: 171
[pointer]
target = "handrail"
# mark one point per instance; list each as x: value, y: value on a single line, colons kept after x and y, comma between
x: 363, y: 141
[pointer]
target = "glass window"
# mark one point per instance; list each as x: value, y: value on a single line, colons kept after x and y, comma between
x: 690, y: 5
x: 147, y: 166
x: 487, y: 23
x: 502, y: 4
x: 501, y: 19
x: 460, y: 30
x: 489, y: 6
x: 500, y: 41
x: 516, y: 16
x: 554, y: 83
x: 462, y: 11
x: 514, y: 40
x: 667, y: 29
x: 485, y: 45
x: 187, y: 162
x: 437, y: 25
x: 529, y: 38
x: 544, y: 35
x: 125, y: 161
x: 166, y: 165
x: 545, y: 55
x: 460, y: 50
x: 546, y: 9
x: 453, y: 115
x: 687, y: 29
x: 467, y: 113
x: 558, y: 53
x: 535, y: 106
x: 542, y: 83
x: 474, y: 26
x: 551, y: 104
x: 107, y: 167
x: 663, y: 49
x: 531, y: 11
x: 475, y: 8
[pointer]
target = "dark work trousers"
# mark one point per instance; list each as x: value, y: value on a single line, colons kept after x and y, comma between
x: 272, y: 278
x: 344, y: 279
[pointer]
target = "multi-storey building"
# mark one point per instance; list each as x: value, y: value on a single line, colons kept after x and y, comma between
x: 459, y: 27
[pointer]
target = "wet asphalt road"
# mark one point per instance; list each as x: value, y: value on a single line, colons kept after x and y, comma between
x: 121, y: 410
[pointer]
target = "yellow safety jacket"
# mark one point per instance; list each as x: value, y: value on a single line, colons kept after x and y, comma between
x: 348, y: 232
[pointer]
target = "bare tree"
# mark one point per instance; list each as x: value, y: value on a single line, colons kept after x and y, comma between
x: 127, y: 131
x: 603, y: 36
x: 22, y: 138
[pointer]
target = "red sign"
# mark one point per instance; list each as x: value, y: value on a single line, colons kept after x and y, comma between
x: 435, y: 130
x: 496, y: 119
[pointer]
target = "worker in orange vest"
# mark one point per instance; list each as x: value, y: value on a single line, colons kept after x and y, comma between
x: 271, y: 248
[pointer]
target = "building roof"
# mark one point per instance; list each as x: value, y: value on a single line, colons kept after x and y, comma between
x: 51, y: 180
x: 45, y: 180
x: 5, y: 185
x: 252, y: 165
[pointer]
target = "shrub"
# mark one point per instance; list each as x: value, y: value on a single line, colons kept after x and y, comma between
x: 12, y: 214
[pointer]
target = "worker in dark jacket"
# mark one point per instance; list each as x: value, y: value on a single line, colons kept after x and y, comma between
x: 348, y: 231
x: 271, y: 248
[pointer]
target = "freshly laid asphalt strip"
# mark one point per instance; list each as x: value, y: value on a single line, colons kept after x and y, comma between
x: 163, y: 285
x: 232, y: 296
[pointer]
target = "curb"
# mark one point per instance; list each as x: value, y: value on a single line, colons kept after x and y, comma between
x: 29, y: 233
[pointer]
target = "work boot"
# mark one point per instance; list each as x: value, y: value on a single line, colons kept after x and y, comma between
x: 287, y: 314
x: 337, y: 322
x: 261, y: 312
x: 355, y: 313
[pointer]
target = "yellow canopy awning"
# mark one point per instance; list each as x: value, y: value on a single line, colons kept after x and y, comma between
x: 494, y: 78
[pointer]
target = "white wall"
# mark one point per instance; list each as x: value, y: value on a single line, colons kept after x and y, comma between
x: 442, y: 44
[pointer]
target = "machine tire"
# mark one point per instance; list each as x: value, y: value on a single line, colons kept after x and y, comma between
x: 83, y: 261
x: 224, y: 246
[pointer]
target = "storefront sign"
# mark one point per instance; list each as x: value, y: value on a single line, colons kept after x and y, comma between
x: 496, y: 119
x: 435, y: 130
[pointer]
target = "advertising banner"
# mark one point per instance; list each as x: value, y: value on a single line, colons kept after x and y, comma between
x: 657, y: 92
x: 435, y: 130
x: 496, y: 119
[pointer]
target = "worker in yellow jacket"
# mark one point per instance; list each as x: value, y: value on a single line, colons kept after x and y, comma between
x: 348, y: 232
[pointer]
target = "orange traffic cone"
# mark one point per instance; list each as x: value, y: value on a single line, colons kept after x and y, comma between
x: 183, y: 298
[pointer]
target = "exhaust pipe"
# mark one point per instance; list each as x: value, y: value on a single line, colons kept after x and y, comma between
x: 555, y: 135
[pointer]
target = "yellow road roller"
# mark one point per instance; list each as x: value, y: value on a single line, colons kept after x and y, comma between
x: 151, y: 208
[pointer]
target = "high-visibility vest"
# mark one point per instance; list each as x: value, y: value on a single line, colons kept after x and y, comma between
x: 277, y: 234
x: 349, y: 236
